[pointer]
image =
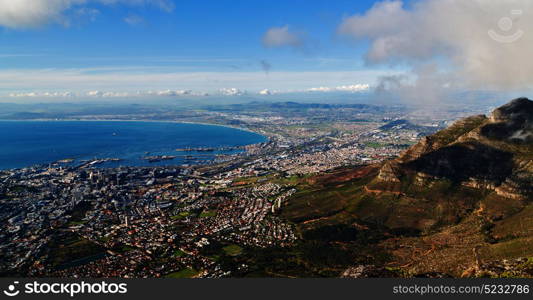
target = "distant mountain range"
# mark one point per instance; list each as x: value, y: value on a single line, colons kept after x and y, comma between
x: 458, y: 203
x: 407, y: 125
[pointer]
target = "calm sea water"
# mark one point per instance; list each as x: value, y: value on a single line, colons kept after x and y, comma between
x: 26, y: 143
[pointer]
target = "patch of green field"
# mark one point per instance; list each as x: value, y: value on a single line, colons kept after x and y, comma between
x: 185, y: 273
x: 518, y: 225
x: 71, y: 247
x: 178, y: 253
x: 181, y: 215
x: 22, y: 188
x: 520, y: 247
x: 498, y: 207
x: 104, y: 239
x: 125, y: 248
x: 208, y: 213
x: 74, y: 223
x: 315, y: 203
x: 214, y: 257
x: 375, y: 145
x: 232, y: 250
x: 253, y: 179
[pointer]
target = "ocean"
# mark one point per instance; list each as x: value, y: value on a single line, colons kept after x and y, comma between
x: 27, y: 143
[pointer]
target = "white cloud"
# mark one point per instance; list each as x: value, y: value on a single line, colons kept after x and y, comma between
x: 169, y: 93
x: 132, y: 80
x: 162, y: 93
x: 282, y: 37
x: 231, y: 92
x: 42, y: 94
x: 343, y: 88
x: 448, y: 41
x: 106, y: 94
x: 134, y: 20
x: 95, y: 94
x: 166, y: 5
x: 265, y: 92
x: 34, y: 13
x: 320, y: 89
x: 175, y: 93
x: 353, y: 88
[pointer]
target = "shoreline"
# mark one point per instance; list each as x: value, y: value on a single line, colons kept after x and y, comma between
x: 143, y: 121
x: 265, y: 138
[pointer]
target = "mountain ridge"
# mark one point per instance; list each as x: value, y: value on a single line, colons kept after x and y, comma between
x: 456, y: 203
x: 485, y: 152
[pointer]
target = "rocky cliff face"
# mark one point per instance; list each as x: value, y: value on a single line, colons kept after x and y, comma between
x: 511, y: 123
x: 443, y: 138
x: 459, y: 203
x: 492, y: 153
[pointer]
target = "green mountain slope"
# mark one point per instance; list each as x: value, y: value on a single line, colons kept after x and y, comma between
x: 456, y: 203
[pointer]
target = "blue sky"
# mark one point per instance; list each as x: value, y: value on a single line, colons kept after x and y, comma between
x: 194, y: 29
x: 220, y: 39
x: 124, y: 48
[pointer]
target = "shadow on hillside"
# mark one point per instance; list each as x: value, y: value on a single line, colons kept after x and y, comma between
x: 469, y: 160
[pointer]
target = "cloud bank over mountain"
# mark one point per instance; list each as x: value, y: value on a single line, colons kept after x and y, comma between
x: 450, y: 44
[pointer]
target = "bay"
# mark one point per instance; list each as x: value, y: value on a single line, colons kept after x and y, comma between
x: 27, y: 143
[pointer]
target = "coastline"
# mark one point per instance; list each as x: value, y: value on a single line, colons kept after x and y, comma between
x: 142, y: 121
x: 260, y: 138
